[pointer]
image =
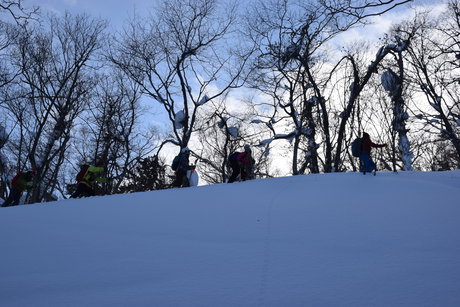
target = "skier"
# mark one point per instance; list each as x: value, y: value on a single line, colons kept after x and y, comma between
x: 181, y: 165
x: 86, y: 178
x: 242, y: 164
x: 20, y: 183
x: 367, y: 165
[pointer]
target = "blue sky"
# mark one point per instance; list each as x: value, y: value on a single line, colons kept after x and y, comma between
x: 115, y: 11
x: 118, y: 11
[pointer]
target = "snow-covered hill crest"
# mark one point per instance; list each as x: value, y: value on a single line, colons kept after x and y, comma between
x: 315, y: 240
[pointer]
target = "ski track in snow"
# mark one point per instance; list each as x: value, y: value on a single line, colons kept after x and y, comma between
x: 267, y: 246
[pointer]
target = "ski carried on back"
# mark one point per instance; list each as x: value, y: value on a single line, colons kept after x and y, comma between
x: 192, y: 176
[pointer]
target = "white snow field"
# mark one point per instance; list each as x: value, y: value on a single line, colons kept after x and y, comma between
x: 315, y: 240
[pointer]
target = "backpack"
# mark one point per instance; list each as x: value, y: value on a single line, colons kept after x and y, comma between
x: 82, y: 172
x: 232, y: 158
x: 175, y: 163
x: 356, y: 147
x: 15, y: 180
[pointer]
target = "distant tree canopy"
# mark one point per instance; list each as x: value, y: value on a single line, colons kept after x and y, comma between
x: 148, y: 174
x: 208, y: 75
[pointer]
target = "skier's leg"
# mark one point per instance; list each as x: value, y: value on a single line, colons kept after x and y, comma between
x: 367, y: 163
x: 373, y: 166
x: 185, y: 182
x: 235, y: 172
x: 177, y: 183
x: 16, y: 197
x: 83, y: 190
x: 8, y: 201
x: 88, y: 191
x: 243, y: 175
x: 13, y: 198
x: 362, y: 161
x: 78, y: 192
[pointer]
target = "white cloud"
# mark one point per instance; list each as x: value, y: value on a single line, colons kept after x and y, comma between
x: 382, y: 24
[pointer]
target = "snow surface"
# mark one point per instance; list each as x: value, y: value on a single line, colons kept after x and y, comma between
x: 315, y: 240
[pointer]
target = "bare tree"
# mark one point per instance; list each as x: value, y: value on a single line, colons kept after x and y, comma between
x: 225, y: 132
x: 292, y: 63
x: 111, y: 129
x: 55, y: 85
x: 393, y: 84
x: 146, y: 174
x: 17, y: 12
x: 13, y: 15
x: 3, y: 162
x: 181, y: 58
x: 435, y: 63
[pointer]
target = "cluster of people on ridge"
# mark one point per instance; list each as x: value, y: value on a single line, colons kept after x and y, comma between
x: 86, y: 178
x: 241, y: 164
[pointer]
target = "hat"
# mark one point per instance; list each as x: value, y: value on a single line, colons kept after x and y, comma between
x: 185, y: 150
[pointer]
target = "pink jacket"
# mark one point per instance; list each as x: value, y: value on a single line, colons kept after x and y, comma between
x: 244, y: 159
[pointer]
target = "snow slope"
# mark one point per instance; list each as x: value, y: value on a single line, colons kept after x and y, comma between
x: 316, y: 240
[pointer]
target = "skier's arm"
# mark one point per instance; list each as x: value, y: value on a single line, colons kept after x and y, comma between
x: 377, y: 145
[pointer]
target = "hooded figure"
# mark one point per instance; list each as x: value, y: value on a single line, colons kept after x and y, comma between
x: 367, y: 165
x: 183, y: 166
x: 242, y: 164
x: 20, y: 183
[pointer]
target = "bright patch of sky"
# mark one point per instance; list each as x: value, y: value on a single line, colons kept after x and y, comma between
x: 379, y: 25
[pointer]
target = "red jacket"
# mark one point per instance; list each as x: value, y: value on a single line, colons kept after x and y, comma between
x: 22, y: 181
x: 367, y: 145
x: 244, y: 159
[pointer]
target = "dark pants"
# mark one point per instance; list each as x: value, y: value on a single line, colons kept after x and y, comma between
x: 367, y: 165
x: 181, y: 179
x: 13, y: 198
x: 83, y: 190
x: 237, y: 170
